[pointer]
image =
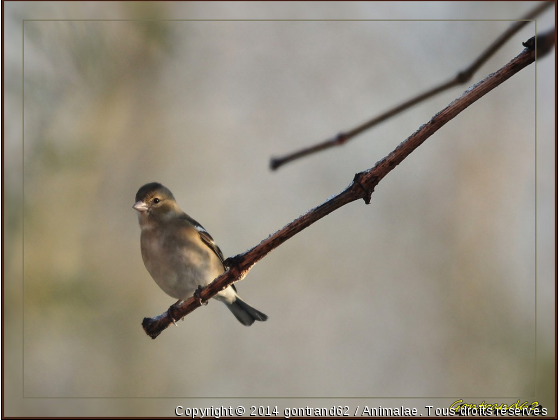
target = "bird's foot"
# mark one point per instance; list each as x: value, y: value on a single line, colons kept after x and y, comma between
x: 170, y: 314
x: 199, y: 297
x: 233, y: 261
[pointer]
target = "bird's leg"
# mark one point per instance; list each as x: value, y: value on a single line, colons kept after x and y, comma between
x: 197, y: 295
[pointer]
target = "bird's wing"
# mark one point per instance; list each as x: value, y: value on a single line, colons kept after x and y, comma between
x: 206, y: 237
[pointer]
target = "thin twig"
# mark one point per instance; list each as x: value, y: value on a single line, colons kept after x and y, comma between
x: 462, y: 77
x: 361, y: 187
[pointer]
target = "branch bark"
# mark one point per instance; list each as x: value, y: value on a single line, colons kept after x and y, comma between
x: 462, y: 77
x: 361, y: 187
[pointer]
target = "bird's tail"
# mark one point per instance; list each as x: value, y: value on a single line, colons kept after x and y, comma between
x: 244, y: 312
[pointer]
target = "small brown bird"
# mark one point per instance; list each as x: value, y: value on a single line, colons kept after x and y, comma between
x: 180, y: 254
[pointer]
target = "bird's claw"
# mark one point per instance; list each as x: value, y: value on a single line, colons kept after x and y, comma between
x: 199, y: 297
x: 171, y: 316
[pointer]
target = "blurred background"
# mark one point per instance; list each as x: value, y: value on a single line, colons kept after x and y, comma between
x: 441, y: 289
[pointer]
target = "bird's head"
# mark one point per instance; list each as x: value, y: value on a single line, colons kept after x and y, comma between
x: 155, y: 202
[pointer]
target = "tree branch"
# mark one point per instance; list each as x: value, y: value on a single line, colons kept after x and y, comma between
x: 361, y: 187
x: 462, y: 77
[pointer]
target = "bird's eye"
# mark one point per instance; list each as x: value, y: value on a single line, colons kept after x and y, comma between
x: 156, y: 200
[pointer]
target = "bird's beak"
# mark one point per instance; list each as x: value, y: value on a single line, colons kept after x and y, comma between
x: 140, y: 206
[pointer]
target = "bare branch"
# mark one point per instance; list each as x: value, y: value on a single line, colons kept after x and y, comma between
x: 462, y: 77
x: 361, y: 187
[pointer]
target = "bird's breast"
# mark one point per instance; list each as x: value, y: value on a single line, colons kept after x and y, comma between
x: 177, y: 262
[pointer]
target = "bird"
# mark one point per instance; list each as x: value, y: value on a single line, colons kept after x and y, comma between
x: 180, y: 254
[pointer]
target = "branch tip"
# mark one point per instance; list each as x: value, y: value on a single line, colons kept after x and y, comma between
x: 275, y: 163
x: 543, y: 44
x: 148, y: 325
x: 530, y: 43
